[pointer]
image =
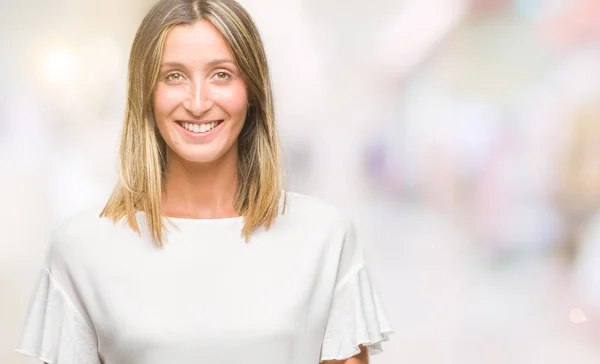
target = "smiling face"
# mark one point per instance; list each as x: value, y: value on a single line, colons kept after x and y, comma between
x: 200, y: 100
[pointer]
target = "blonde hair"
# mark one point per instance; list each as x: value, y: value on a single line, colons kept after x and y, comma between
x: 143, y: 150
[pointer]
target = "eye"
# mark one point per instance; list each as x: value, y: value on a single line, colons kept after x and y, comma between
x: 221, y: 76
x: 174, y: 76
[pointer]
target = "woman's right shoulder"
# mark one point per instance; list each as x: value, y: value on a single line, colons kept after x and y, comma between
x: 84, y: 235
x: 81, y: 225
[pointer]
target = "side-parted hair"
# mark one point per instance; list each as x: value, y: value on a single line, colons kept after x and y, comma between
x: 142, y: 154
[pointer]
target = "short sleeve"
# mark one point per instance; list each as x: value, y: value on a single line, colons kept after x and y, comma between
x: 357, y: 316
x: 54, y: 330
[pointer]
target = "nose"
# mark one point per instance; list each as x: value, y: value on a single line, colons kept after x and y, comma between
x: 198, y: 100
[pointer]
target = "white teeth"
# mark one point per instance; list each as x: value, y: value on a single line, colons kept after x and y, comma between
x: 199, y: 128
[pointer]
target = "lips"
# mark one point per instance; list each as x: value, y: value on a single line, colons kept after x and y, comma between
x: 199, y: 127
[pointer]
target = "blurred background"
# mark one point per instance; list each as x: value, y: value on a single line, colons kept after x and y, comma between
x: 463, y: 137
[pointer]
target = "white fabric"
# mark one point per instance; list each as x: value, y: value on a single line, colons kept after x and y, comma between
x: 356, y: 317
x: 297, y: 293
x: 55, y: 330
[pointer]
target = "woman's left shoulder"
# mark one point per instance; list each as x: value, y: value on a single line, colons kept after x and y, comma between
x: 313, y: 210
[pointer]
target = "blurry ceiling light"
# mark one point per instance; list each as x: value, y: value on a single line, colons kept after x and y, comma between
x: 412, y: 34
x: 103, y: 60
x: 577, y: 316
x: 59, y: 67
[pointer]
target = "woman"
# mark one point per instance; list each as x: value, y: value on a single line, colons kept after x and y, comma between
x: 198, y: 257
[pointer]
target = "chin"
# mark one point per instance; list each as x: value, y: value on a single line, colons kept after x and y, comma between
x: 199, y: 158
x: 202, y: 157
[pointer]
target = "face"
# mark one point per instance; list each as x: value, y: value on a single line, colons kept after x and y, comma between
x: 200, y: 100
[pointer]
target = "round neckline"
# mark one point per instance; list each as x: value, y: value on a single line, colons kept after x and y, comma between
x: 196, y: 221
x: 203, y: 221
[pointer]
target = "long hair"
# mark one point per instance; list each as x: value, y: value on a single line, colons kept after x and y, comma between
x: 142, y: 154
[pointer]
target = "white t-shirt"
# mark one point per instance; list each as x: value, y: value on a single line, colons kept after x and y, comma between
x: 297, y: 293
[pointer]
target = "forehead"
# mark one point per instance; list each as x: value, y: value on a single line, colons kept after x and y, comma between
x: 193, y: 43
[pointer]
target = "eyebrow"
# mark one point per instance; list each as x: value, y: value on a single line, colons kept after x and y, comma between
x: 221, y: 61
x: 211, y: 63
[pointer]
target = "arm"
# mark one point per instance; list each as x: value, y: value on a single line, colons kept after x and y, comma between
x: 362, y: 358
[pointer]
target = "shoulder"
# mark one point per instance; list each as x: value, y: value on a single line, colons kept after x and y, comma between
x: 300, y: 205
x: 315, y: 222
x: 81, y: 236
x: 80, y: 226
x: 314, y: 213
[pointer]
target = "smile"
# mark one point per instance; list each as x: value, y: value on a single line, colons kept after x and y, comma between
x: 199, y: 128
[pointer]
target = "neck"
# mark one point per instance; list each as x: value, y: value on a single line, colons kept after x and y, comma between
x: 200, y: 190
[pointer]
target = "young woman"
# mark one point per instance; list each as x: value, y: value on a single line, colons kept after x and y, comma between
x: 199, y: 256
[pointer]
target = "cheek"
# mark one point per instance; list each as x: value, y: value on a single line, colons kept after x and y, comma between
x: 233, y: 100
x: 165, y: 101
